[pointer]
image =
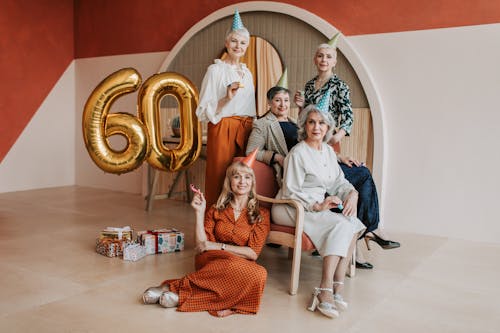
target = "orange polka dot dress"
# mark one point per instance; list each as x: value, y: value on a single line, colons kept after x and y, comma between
x: 223, y: 280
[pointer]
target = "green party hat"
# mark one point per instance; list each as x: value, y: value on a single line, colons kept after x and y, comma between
x: 283, y: 82
x: 333, y: 42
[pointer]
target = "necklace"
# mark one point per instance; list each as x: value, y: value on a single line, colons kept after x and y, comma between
x: 321, y: 81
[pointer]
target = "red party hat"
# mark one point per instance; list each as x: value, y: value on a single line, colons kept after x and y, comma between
x: 250, y: 159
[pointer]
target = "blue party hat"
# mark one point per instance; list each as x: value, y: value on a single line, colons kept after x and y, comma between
x: 283, y: 82
x: 237, y: 23
x: 324, y: 103
x: 333, y: 42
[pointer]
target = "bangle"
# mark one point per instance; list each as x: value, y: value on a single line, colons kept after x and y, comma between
x: 223, y: 247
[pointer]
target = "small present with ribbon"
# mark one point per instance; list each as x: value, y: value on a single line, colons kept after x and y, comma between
x: 134, y: 252
x: 162, y: 240
x: 117, y: 233
x: 109, y: 247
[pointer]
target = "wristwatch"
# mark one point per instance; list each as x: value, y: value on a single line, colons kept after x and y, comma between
x: 223, y: 247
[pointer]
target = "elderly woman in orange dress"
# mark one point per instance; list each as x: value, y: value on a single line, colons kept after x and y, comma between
x: 229, y: 238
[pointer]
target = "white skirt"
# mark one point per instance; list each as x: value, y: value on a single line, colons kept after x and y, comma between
x: 331, y: 233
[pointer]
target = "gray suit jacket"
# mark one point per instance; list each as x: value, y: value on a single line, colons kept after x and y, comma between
x: 268, y: 137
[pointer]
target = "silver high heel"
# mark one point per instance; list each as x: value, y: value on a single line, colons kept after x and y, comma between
x: 152, y: 294
x: 339, y: 300
x: 169, y: 299
x: 327, y: 309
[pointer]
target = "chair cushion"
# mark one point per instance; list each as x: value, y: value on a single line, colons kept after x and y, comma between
x: 307, y: 244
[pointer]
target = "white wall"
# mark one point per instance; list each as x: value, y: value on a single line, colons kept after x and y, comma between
x: 44, y: 155
x: 440, y: 90
x: 90, y: 72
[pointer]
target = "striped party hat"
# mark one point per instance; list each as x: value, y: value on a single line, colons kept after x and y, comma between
x: 237, y: 23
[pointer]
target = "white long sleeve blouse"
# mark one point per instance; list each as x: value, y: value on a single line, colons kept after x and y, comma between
x: 214, y: 87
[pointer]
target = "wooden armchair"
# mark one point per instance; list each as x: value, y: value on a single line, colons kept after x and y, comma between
x: 293, y: 238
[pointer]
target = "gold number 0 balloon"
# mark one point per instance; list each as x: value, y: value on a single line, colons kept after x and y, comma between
x: 98, y: 125
x: 185, y: 93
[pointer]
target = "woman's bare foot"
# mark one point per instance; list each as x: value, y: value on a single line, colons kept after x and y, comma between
x: 225, y: 313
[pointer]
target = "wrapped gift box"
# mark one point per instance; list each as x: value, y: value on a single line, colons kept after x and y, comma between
x: 117, y: 233
x: 162, y: 240
x: 149, y: 241
x: 134, y: 252
x: 109, y: 247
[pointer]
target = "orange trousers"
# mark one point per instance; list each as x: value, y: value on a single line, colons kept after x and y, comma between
x: 225, y: 140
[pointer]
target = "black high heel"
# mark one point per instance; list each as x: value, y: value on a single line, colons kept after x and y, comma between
x: 385, y: 244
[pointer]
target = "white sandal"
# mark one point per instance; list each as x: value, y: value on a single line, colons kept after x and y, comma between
x: 327, y: 309
x: 339, y: 300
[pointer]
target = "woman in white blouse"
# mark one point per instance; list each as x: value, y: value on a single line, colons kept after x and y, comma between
x: 313, y: 177
x: 227, y: 103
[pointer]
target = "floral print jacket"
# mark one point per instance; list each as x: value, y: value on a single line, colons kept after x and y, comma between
x: 340, y: 101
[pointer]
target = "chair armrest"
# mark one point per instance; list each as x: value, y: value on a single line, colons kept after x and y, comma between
x: 299, y: 212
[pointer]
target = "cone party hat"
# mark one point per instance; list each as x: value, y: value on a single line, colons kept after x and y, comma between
x: 324, y: 103
x: 237, y: 22
x: 283, y: 82
x: 250, y: 159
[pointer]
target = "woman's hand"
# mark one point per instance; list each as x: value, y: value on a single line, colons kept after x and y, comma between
x: 337, y: 137
x: 330, y: 202
x: 232, y: 89
x: 351, y: 204
x: 279, y: 158
x: 199, y: 203
x: 349, y: 161
x: 299, y: 99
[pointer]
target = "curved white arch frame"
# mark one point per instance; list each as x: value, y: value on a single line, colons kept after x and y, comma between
x: 376, y: 107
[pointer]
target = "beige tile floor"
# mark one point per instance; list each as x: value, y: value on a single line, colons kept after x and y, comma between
x: 52, y: 280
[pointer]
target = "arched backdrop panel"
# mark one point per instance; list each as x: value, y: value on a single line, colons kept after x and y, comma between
x: 295, y: 38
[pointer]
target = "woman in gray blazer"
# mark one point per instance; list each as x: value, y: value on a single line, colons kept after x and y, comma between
x: 275, y: 133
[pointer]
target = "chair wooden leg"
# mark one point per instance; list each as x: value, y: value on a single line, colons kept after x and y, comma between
x: 152, y: 190
x: 351, y: 270
x: 294, y: 279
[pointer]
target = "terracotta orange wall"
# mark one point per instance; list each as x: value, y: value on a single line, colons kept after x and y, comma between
x: 36, y: 46
x: 132, y: 26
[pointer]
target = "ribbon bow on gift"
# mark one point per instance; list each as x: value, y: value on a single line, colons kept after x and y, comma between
x: 120, y: 231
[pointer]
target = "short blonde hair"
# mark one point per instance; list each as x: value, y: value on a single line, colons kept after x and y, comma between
x: 328, y: 47
x: 242, y: 32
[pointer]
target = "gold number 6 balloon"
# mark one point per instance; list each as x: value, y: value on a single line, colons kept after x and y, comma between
x: 98, y: 125
x: 150, y: 94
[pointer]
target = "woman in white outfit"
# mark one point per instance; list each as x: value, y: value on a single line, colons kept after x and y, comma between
x: 227, y: 104
x: 313, y: 177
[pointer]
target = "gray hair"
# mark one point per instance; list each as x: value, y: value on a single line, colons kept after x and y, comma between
x: 304, y: 114
x: 242, y: 32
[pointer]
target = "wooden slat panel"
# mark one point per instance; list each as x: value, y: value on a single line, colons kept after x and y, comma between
x: 360, y: 143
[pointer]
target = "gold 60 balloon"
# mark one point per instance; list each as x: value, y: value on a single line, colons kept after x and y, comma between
x: 143, y: 132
